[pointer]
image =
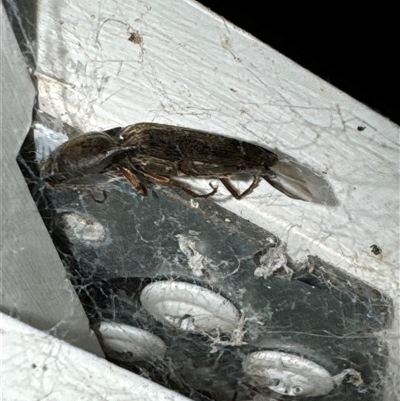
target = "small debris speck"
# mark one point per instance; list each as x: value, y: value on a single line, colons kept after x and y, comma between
x: 375, y: 249
x: 135, y: 37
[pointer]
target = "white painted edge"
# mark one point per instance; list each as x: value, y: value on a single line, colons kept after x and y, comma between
x: 37, y: 366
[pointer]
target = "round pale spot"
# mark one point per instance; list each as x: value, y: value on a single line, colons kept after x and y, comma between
x: 131, y: 343
x: 288, y: 374
x: 189, y: 307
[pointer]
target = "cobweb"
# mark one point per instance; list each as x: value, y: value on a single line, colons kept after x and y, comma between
x: 115, y: 244
x: 244, y: 291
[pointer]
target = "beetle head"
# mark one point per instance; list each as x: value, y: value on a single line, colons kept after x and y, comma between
x: 84, y: 154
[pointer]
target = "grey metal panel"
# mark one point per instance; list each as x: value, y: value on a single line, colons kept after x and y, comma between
x: 33, y: 283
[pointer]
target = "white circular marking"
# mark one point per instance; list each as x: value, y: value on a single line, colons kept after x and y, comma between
x: 135, y: 344
x: 288, y: 374
x: 189, y: 307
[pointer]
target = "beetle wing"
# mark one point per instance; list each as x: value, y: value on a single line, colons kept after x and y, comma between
x: 196, y: 152
x: 287, y: 178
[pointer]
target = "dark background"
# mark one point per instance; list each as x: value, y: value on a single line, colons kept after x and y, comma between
x: 352, y: 45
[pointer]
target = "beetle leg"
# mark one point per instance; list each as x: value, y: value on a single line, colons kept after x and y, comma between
x: 158, y: 178
x: 235, y: 192
x: 192, y: 193
x: 166, y: 180
x: 134, y: 181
